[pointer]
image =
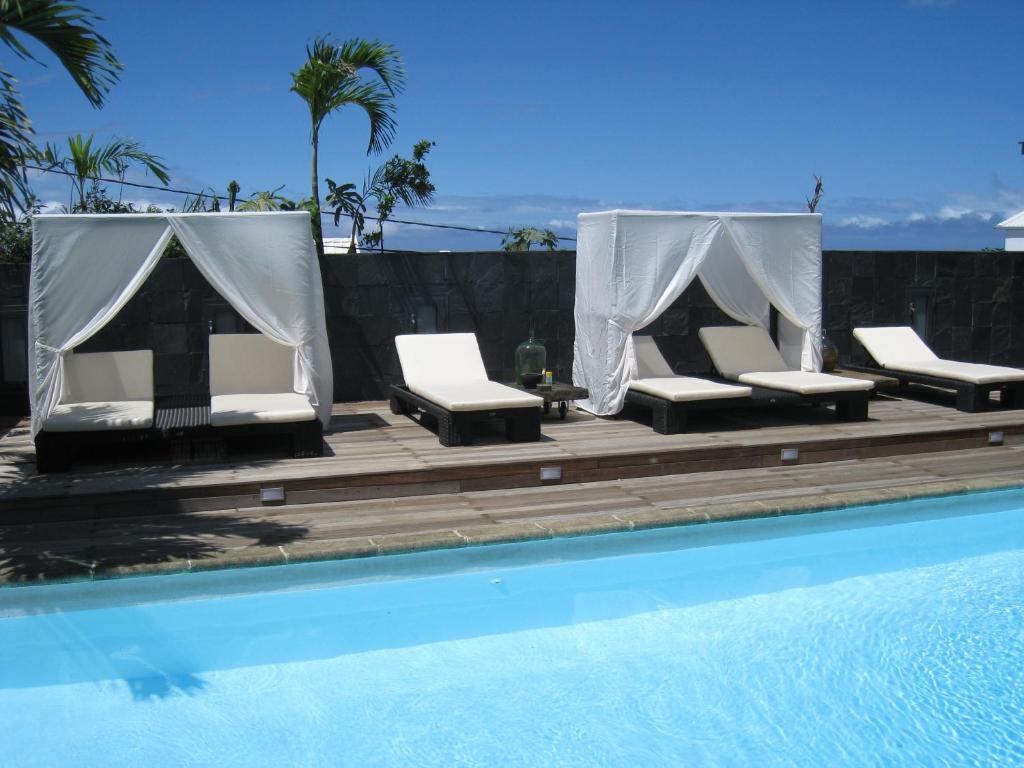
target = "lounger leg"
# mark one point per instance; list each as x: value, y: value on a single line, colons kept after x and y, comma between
x: 308, y: 440
x: 855, y: 409
x: 398, y: 405
x: 53, y: 453
x: 971, y: 398
x: 1012, y: 396
x: 523, y: 428
x: 455, y: 429
x: 668, y: 419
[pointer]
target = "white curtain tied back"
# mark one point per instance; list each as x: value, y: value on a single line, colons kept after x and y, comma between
x: 631, y: 266
x: 85, y: 268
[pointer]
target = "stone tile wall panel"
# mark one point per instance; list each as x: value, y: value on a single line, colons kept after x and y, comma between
x: 976, y: 310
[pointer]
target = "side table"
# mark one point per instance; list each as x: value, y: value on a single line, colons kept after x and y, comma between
x: 560, y: 393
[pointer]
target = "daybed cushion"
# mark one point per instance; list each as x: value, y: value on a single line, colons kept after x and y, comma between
x: 804, y: 382
x: 973, y: 373
x: 100, y: 416
x: 447, y: 369
x: 741, y: 349
x: 687, y: 388
x: 260, y: 408
x: 105, y: 391
x: 108, y: 377
x: 250, y: 363
x: 893, y: 345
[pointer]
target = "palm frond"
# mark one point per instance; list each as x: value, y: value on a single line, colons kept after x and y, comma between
x: 69, y: 32
x: 383, y: 59
x: 15, y: 146
x: 330, y: 79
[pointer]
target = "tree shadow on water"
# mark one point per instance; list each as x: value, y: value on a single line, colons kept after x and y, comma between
x: 151, y: 660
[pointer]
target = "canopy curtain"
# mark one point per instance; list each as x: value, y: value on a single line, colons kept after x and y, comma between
x: 631, y: 265
x: 85, y: 268
x: 651, y: 261
x: 266, y: 268
x: 83, y: 273
x: 730, y: 286
x: 783, y: 256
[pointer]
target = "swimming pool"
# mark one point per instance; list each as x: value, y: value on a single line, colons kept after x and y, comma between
x: 884, y: 635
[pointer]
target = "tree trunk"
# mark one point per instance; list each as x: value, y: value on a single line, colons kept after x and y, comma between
x: 314, y: 215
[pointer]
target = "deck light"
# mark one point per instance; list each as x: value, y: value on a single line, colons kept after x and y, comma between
x: 274, y: 495
x: 995, y: 438
x: 790, y: 454
x: 550, y: 473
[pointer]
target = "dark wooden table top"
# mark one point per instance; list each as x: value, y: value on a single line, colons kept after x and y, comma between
x: 559, y: 391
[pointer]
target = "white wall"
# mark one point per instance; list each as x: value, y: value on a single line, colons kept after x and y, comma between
x: 1015, y: 239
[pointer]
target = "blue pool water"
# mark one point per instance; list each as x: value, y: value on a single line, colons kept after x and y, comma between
x: 886, y: 635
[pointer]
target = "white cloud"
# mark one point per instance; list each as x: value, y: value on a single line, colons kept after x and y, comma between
x: 568, y: 224
x: 864, y: 222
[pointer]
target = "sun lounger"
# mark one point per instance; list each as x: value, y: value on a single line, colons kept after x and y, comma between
x: 671, y: 397
x: 748, y: 355
x: 898, y: 352
x: 252, y: 391
x: 106, y: 396
x: 445, y: 378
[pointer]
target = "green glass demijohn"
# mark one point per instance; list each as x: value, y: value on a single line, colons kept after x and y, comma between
x: 531, y: 359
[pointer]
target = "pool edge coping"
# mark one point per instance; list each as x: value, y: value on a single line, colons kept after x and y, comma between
x: 507, y: 533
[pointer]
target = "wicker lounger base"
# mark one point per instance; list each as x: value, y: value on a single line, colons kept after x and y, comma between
x: 184, y: 424
x: 670, y: 417
x: 970, y: 397
x: 522, y: 425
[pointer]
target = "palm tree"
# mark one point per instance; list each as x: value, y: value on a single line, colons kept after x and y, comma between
x: 348, y: 201
x: 69, y: 32
x: 330, y: 79
x: 85, y: 162
x: 267, y: 200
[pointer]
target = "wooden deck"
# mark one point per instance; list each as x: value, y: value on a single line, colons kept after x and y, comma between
x: 387, y: 485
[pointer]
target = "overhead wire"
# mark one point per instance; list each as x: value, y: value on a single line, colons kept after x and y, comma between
x: 212, y: 195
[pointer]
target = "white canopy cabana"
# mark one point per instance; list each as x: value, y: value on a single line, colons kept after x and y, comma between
x: 631, y: 265
x: 85, y: 268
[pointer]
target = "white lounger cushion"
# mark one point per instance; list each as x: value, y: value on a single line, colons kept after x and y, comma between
x: 475, y: 396
x: 804, y: 382
x: 274, y: 408
x: 741, y: 349
x: 650, y: 363
x: 901, y: 349
x: 973, y: 373
x: 96, y: 417
x: 687, y: 388
x: 748, y: 354
x: 105, y: 390
x: 893, y: 345
x: 658, y: 379
x: 447, y: 369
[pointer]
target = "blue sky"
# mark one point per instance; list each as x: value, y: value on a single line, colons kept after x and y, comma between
x: 908, y: 109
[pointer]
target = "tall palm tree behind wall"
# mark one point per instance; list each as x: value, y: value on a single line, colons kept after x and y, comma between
x: 330, y: 79
x: 68, y: 31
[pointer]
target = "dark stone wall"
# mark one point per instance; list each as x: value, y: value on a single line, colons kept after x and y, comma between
x: 373, y: 297
x: 974, y: 302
